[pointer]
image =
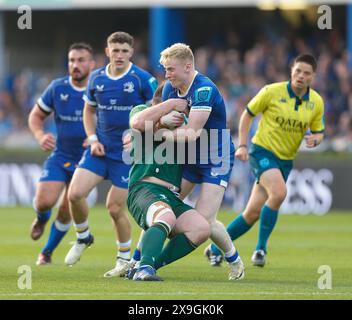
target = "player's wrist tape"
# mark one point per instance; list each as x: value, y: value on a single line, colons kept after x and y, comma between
x: 92, y: 138
x: 242, y: 146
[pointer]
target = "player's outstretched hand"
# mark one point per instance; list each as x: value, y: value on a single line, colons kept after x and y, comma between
x: 47, y: 142
x: 242, y: 153
x: 97, y: 149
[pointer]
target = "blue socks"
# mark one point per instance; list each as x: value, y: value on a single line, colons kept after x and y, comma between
x: 236, y: 228
x: 57, y: 232
x: 44, y: 216
x: 268, y: 218
x: 137, y: 254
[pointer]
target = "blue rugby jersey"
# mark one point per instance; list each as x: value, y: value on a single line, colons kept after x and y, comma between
x: 114, y: 97
x: 66, y: 101
x: 203, y: 95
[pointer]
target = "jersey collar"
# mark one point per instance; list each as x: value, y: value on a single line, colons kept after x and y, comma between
x: 80, y: 89
x: 120, y: 76
x: 293, y: 95
x: 189, y: 87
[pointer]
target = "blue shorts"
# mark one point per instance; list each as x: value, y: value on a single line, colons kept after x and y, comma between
x: 209, y: 173
x: 114, y: 170
x: 261, y: 160
x: 58, y: 168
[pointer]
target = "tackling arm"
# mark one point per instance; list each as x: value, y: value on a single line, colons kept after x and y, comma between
x: 193, y: 130
x: 155, y: 113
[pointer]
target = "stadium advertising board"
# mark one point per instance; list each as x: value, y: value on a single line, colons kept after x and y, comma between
x: 312, y: 189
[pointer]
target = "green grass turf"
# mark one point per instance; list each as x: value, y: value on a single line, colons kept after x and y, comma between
x: 299, y: 245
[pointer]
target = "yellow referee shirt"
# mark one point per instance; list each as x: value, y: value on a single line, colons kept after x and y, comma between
x: 286, y: 118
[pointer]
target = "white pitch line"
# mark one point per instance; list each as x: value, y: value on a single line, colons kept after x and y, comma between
x: 179, y: 294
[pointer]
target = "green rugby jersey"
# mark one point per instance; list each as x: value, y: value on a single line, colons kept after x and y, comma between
x: 146, y: 153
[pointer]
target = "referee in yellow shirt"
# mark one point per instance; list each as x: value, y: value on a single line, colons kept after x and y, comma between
x: 291, y: 111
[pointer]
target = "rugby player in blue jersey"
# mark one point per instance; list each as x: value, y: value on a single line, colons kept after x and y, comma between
x: 212, y: 162
x: 112, y: 92
x: 64, y: 98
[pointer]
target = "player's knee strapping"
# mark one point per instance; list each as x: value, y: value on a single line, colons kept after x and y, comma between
x: 156, y: 216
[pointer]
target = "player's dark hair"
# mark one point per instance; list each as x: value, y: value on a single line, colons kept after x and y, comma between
x: 306, y: 58
x: 81, y: 46
x: 121, y: 37
x: 157, y: 97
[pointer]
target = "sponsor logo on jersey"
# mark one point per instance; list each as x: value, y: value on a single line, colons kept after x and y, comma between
x: 291, y: 125
x: 100, y: 88
x: 162, y: 196
x: 64, y: 97
x: 128, y: 87
x: 124, y: 179
x: 309, y: 105
x: 213, y: 173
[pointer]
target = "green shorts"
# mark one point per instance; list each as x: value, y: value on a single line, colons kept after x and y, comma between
x: 261, y: 160
x: 144, y: 194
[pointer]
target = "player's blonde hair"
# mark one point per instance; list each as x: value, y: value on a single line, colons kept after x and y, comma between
x: 179, y: 51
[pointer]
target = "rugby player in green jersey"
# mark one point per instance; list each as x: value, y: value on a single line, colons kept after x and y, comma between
x: 153, y: 194
x: 291, y: 112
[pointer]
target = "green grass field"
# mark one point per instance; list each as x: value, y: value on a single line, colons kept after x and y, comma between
x: 299, y: 245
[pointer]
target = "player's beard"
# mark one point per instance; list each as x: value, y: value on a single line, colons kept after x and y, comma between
x: 79, y: 77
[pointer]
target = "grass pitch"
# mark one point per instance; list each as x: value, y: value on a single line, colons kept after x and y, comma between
x: 297, y: 248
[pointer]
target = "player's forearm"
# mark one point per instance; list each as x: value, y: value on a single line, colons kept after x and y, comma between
x: 186, y: 133
x: 193, y: 130
x: 244, y: 126
x: 89, y: 120
x: 151, y: 114
x: 36, y: 125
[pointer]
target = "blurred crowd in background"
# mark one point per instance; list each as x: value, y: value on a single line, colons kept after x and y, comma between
x: 239, y: 73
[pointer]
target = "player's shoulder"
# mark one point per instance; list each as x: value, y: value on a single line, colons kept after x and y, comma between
x: 60, y: 82
x: 137, y: 109
x: 204, y: 88
x: 276, y: 87
x: 315, y: 96
x: 271, y: 90
x: 100, y: 72
x: 59, y: 85
x: 203, y: 81
x: 140, y: 72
